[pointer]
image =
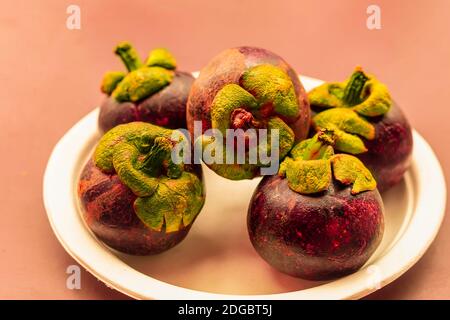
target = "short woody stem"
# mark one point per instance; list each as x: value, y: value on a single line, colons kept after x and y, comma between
x: 129, y: 56
x: 318, y: 147
x: 353, y: 90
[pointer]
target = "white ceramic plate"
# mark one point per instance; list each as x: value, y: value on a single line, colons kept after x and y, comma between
x: 216, y: 260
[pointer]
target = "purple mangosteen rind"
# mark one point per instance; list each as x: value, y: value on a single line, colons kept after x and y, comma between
x: 368, y: 124
x: 134, y: 197
x: 319, y: 236
x: 151, y: 92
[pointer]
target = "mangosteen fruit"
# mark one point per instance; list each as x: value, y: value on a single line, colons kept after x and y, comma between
x: 321, y: 217
x: 151, y: 92
x: 368, y: 123
x: 135, y: 198
x: 248, y: 88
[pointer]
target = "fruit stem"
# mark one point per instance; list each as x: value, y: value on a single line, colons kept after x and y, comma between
x: 129, y: 56
x: 242, y: 119
x: 320, y: 146
x: 354, y: 87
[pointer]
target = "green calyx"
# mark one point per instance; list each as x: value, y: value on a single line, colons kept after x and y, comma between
x: 271, y: 85
x: 349, y: 107
x: 161, y: 57
x: 142, y: 79
x: 110, y: 81
x: 233, y: 169
x: 228, y: 99
x: 142, y: 83
x: 265, y: 94
x: 141, y: 155
x: 312, y: 165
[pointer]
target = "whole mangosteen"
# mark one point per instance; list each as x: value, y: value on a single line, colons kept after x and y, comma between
x: 151, y: 92
x: 321, y: 217
x: 134, y: 197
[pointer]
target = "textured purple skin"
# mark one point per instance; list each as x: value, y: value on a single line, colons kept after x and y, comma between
x: 166, y: 108
x: 108, y: 211
x: 316, y: 237
x: 389, y: 154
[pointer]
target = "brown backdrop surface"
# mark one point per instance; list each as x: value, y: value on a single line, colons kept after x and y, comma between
x: 50, y: 78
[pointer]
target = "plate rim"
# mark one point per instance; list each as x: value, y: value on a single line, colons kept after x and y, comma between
x: 136, y: 288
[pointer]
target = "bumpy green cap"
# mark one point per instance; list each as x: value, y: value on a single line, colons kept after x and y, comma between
x: 312, y: 165
x: 141, y: 83
x: 161, y: 57
x: 264, y: 96
x: 349, y: 106
x: 270, y: 84
x: 140, y: 154
x: 110, y: 81
x: 142, y: 80
x: 228, y: 99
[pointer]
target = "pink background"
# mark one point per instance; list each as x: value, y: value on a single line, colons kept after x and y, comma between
x: 50, y: 79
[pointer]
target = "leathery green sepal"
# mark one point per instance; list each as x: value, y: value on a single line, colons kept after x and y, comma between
x: 270, y: 84
x: 349, y: 143
x: 362, y: 93
x: 110, y: 81
x: 138, y: 133
x: 307, y: 177
x: 227, y: 99
x: 346, y: 120
x: 377, y: 102
x: 312, y: 165
x: 142, y: 83
x: 161, y: 57
x: 350, y: 170
x: 347, y: 125
x: 246, y: 170
x: 350, y: 105
x: 126, y: 164
x: 142, y: 80
x: 140, y: 154
x: 232, y: 171
x: 174, y: 204
x: 286, y: 135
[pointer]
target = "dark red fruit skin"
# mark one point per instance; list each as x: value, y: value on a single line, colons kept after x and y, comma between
x: 389, y: 154
x: 227, y: 68
x: 317, y: 237
x: 166, y: 108
x: 107, y: 206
